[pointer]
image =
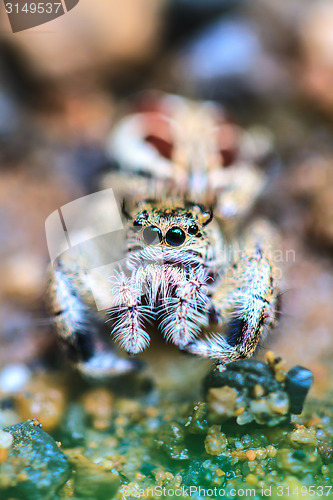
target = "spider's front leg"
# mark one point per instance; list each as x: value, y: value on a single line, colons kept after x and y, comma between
x: 79, y: 328
x: 245, y: 302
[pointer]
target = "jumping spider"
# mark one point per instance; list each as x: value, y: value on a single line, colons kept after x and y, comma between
x: 194, y: 265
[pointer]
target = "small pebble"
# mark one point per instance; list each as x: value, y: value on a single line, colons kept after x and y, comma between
x: 250, y: 455
x: 98, y: 404
x: 261, y: 453
x: 197, y: 423
x: 326, y: 452
x: 271, y: 451
x: 258, y: 391
x: 244, y: 418
x: 278, y: 402
x: 42, y: 401
x: 270, y: 357
x: 216, y: 442
x: 252, y: 479
x: 8, y: 417
x: 171, y: 440
x: 6, y: 440
x: 303, y: 436
x: 260, y: 409
x: 13, y: 378
x: 221, y: 402
x: 280, y: 375
x: 298, y: 383
x: 325, y: 470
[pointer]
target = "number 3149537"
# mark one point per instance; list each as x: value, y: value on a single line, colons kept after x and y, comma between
x: 33, y: 8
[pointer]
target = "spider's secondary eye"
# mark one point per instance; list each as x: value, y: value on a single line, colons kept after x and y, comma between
x: 152, y: 235
x: 175, y: 237
x: 137, y: 225
x: 193, y: 229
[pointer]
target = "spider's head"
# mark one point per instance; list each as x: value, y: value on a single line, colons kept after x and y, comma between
x: 170, y: 224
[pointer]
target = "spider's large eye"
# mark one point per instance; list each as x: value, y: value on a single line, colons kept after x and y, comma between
x: 175, y: 237
x: 152, y: 235
x: 193, y: 229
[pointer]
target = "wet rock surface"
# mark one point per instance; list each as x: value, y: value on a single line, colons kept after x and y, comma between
x: 117, y: 446
x: 35, y: 467
x: 74, y: 426
x: 93, y: 480
x: 171, y: 441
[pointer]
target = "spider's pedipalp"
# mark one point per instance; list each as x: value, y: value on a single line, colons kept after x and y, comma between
x: 128, y: 330
x: 214, y: 346
x: 184, y: 313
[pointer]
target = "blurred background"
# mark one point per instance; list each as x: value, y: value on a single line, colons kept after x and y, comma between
x: 62, y: 86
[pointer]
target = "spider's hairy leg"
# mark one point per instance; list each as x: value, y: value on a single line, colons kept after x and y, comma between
x: 79, y: 329
x: 183, y: 311
x: 128, y: 329
x: 245, y: 301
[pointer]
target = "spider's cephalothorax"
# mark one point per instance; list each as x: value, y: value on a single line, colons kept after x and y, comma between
x: 175, y: 229
x: 171, y: 257
x: 205, y: 283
